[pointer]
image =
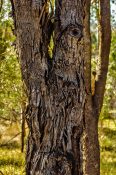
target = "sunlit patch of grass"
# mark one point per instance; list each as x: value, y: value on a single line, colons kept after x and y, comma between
x: 12, y: 161
x: 108, y: 163
x: 11, y: 170
x: 107, y: 137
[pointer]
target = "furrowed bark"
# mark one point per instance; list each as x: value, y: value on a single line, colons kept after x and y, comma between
x: 58, y: 89
x: 56, y: 93
x: 91, y: 152
x: 67, y: 89
x: 31, y: 27
x: 104, y: 50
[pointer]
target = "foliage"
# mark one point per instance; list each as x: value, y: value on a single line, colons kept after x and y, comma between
x: 110, y: 95
x: 10, y: 79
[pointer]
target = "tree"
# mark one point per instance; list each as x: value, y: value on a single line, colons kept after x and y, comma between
x: 12, y: 96
x: 62, y: 113
x: 10, y: 76
x: 94, y: 104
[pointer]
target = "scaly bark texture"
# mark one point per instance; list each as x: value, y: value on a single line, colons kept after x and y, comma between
x: 56, y: 91
x: 61, y: 115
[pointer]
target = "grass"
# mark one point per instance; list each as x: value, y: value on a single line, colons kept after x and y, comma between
x: 12, y: 160
x: 107, y: 137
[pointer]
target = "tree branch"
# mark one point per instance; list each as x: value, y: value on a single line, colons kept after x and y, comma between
x: 87, y: 42
x: 6, y: 143
x: 1, y: 4
x: 104, y: 50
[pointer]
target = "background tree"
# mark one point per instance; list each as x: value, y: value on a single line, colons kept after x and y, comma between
x: 10, y: 77
x: 63, y: 113
x: 12, y: 96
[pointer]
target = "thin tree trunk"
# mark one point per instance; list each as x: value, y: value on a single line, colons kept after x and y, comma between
x: 94, y: 103
x: 91, y: 152
x: 104, y: 50
x: 23, y: 126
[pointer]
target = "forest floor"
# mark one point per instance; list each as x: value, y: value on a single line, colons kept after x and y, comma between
x: 12, y: 161
x: 107, y: 137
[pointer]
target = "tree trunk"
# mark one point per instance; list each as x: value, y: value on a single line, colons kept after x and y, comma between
x: 23, y: 125
x: 91, y: 152
x: 104, y: 50
x: 60, y: 106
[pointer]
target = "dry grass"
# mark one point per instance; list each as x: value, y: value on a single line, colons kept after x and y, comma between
x: 12, y: 160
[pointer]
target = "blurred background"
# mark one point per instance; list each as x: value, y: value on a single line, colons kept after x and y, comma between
x: 13, y: 128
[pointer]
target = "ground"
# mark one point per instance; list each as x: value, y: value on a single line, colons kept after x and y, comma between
x: 12, y: 161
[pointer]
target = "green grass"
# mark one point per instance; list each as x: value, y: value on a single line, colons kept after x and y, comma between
x: 11, y: 161
x: 108, y: 163
x: 107, y: 137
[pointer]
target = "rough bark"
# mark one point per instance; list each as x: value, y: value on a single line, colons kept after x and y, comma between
x: 60, y: 103
x: 56, y: 91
